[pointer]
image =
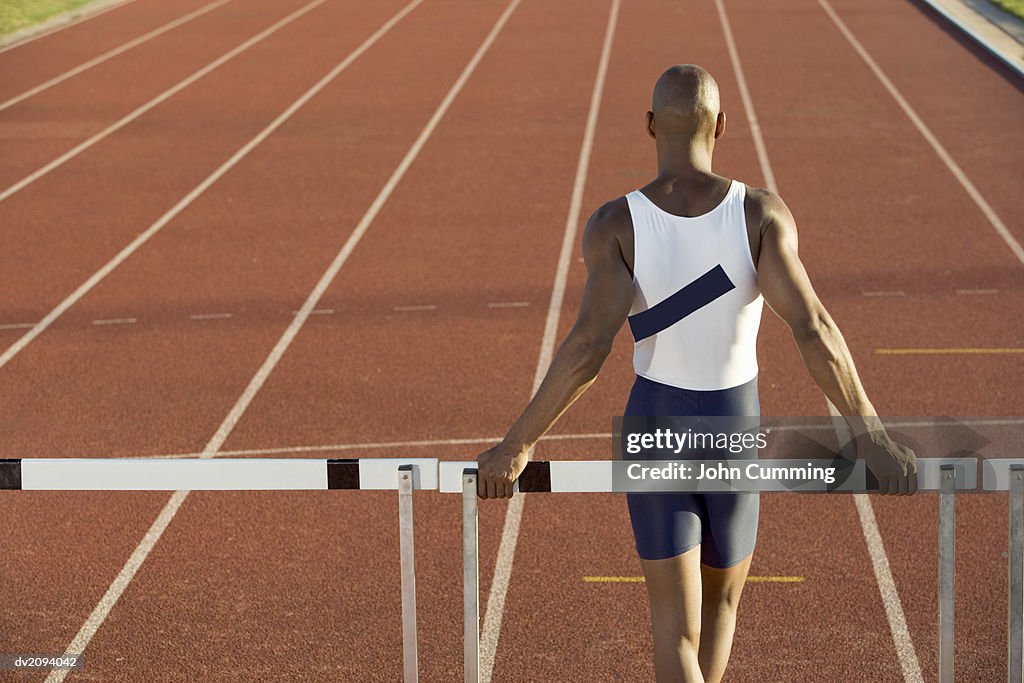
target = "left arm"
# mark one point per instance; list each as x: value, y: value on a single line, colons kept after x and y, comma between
x: 607, y: 298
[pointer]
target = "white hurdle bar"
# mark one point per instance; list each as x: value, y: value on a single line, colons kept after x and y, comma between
x: 249, y: 474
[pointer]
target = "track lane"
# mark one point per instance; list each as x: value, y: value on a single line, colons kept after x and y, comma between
x: 116, y: 361
x: 422, y: 384
x: 969, y: 101
x: 44, y: 128
x: 292, y: 520
x: 124, y: 185
x: 600, y: 631
x: 907, y: 225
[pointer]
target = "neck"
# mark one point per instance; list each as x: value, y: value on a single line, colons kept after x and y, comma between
x: 684, y: 160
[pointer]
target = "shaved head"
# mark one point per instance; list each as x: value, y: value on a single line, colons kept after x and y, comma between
x: 685, y: 102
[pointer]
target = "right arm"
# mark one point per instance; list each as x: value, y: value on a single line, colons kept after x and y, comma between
x: 786, y: 288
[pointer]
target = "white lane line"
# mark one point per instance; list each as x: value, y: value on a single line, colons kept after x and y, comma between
x: 509, y: 304
x: 468, y: 441
x: 977, y: 291
x: 495, y: 608
x: 121, y: 49
x: 138, y: 556
x: 17, y: 326
x: 747, y: 100
x: 425, y: 307
x: 162, y: 97
x: 886, y: 584
x: 211, y: 316
x: 62, y: 22
x: 895, y: 292
x: 947, y: 159
x: 199, y: 189
x: 116, y: 321
x: 364, y: 446
x: 904, y: 644
x: 318, y: 311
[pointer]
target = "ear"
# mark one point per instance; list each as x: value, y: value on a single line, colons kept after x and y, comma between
x: 720, y: 125
x: 650, y: 123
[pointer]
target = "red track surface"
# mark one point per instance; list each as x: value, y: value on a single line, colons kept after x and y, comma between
x: 283, y: 586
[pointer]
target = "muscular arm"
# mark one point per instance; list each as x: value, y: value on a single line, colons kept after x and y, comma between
x: 787, y: 290
x: 607, y: 298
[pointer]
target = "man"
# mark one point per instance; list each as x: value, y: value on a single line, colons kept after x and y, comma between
x: 689, y: 259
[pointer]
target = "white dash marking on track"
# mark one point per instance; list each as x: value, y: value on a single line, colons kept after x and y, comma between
x: 318, y: 311
x: 424, y: 307
x: 211, y: 316
x: 895, y: 292
x: 977, y: 291
x: 495, y: 609
x: 17, y: 326
x: 115, y: 321
x: 508, y: 304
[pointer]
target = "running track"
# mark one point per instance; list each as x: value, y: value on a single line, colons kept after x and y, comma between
x: 441, y: 174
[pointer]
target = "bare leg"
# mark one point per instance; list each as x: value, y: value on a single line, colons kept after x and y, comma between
x: 673, y: 587
x: 721, y: 590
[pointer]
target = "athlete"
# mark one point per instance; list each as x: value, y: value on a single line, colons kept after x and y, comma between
x: 689, y: 259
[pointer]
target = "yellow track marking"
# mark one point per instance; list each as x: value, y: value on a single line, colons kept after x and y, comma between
x: 954, y: 351
x: 640, y: 579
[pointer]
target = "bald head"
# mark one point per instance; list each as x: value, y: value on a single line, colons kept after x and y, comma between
x: 685, y: 102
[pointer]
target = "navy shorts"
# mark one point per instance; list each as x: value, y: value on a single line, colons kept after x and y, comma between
x: 665, y: 525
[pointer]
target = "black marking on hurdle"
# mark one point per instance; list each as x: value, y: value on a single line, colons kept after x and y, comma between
x: 710, y: 286
x: 536, y: 478
x: 343, y: 474
x: 10, y: 474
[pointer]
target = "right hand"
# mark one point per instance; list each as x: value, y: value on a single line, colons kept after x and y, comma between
x: 894, y: 465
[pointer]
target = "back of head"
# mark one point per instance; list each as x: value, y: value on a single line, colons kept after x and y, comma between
x: 685, y: 102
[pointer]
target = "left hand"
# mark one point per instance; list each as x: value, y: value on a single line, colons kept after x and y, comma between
x: 498, y: 469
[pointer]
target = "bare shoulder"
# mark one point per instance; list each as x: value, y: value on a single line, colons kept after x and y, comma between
x: 765, y: 208
x: 612, y: 220
x: 609, y: 233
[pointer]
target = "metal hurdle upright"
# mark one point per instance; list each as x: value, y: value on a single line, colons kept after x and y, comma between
x: 1005, y: 474
x: 249, y: 474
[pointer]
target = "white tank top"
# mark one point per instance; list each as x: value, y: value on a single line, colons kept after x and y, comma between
x: 696, y: 306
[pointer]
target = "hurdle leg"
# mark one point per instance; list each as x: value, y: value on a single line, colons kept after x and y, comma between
x: 1015, y: 608
x: 406, y: 551
x: 947, y: 568
x: 470, y: 579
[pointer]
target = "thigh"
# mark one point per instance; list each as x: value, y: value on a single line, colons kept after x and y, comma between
x: 730, y: 528
x: 674, y: 590
x: 665, y: 524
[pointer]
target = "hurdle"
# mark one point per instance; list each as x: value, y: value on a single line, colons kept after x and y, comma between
x: 249, y: 474
x: 943, y: 475
x: 946, y: 476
